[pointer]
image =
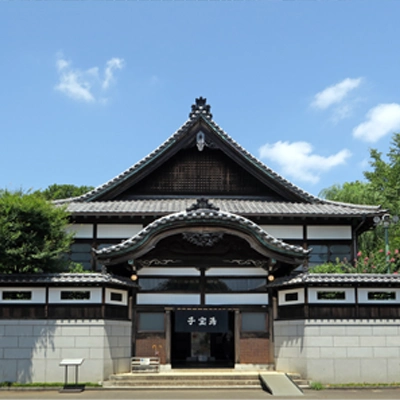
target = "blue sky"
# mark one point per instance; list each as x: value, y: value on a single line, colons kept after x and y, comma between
x: 88, y: 88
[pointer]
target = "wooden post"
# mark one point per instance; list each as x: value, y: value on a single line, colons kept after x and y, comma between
x: 238, y: 320
x: 168, y: 337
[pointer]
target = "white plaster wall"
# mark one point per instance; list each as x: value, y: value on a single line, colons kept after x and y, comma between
x: 117, y: 231
x: 339, y: 351
x: 167, y: 298
x: 81, y: 231
x: 237, y: 298
x: 328, y: 232
x: 31, y: 350
x: 284, y: 231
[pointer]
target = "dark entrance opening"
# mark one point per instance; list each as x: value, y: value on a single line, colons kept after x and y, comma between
x: 208, y: 345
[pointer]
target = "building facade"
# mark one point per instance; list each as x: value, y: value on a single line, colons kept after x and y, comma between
x: 216, y: 247
x: 204, y: 228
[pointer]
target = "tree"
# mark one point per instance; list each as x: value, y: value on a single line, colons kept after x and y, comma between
x: 32, y: 234
x: 381, y: 188
x: 64, y: 191
x: 353, y: 192
x: 384, y: 179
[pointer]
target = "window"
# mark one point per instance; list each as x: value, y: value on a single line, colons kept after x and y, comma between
x: 254, y: 322
x: 74, y: 295
x: 151, y: 322
x: 215, y: 285
x: 323, y: 253
x: 170, y: 284
x: 291, y: 296
x: 331, y: 295
x: 17, y: 295
x: 114, y: 296
x: 81, y: 253
x: 381, y: 295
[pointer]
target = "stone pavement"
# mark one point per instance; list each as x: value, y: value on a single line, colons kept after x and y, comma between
x: 190, y: 394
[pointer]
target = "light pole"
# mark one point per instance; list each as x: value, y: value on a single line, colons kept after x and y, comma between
x: 386, y: 220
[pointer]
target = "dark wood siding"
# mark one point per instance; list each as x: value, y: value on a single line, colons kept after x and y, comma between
x: 192, y: 172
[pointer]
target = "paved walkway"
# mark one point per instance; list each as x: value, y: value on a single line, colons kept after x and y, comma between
x: 208, y: 394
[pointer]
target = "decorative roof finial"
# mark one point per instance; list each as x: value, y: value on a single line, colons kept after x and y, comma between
x: 200, y: 108
x: 202, y: 204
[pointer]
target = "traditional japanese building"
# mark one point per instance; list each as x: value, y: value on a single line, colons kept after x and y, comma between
x: 204, y: 229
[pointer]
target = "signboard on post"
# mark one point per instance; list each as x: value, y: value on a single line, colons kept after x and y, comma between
x: 201, y: 321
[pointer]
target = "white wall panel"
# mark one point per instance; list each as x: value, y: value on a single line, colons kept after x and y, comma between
x: 82, y: 231
x: 38, y: 295
x: 237, y: 298
x: 349, y: 295
x: 328, y: 232
x: 168, y: 298
x: 282, y: 297
x: 118, y: 231
x: 363, y: 295
x: 55, y: 295
x: 123, y: 293
x: 284, y: 231
x: 166, y: 270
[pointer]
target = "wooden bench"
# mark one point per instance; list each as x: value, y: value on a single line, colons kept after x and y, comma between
x: 145, y: 364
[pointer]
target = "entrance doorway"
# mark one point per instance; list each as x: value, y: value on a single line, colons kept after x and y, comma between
x: 204, y: 346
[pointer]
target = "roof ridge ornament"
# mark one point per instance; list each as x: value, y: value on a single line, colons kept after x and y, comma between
x: 200, y: 108
x: 202, y: 204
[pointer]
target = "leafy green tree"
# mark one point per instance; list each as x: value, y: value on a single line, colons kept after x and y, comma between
x: 353, y: 192
x: 358, y: 193
x: 32, y: 234
x: 64, y: 191
x: 384, y: 179
x: 382, y: 187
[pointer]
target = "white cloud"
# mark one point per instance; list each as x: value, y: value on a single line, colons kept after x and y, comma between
x: 84, y: 85
x: 298, y: 161
x: 335, y: 94
x: 113, y: 64
x: 380, y: 121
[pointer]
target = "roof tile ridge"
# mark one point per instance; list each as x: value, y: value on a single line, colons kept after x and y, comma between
x: 353, y: 205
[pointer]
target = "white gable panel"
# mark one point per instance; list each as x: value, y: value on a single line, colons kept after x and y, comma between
x: 82, y: 231
x: 118, y: 231
x: 328, y: 232
x: 284, y: 231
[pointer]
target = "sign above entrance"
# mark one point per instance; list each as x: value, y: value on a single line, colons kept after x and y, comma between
x: 201, y: 321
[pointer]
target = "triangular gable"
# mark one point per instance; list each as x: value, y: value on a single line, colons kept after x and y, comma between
x: 200, y: 120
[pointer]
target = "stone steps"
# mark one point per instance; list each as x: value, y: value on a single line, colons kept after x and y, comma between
x: 193, y: 380
x: 199, y: 379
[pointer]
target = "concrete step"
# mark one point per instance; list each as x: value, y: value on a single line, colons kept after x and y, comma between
x: 174, y: 377
x: 185, y: 380
x: 181, y: 383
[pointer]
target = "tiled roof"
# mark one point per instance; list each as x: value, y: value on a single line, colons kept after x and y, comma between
x: 205, y: 217
x: 200, y: 110
x: 242, y: 207
x: 65, y: 278
x: 337, y: 279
